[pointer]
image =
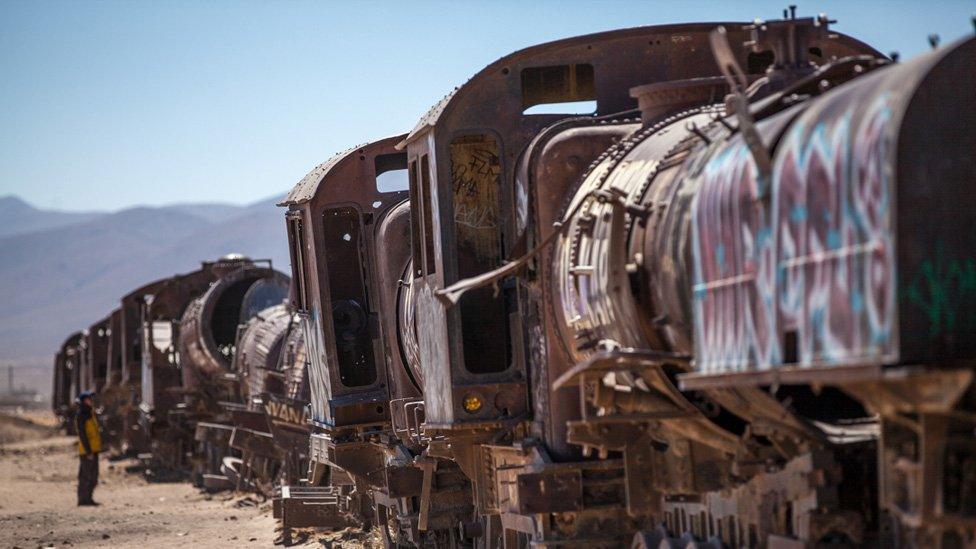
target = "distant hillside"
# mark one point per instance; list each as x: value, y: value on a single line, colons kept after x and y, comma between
x: 57, y: 280
x: 20, y: 217
x: 257, y: 230
x: 215, y: 213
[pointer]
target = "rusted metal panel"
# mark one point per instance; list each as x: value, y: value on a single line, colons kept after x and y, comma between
x: 835, y: 256
x: 494, y: 399
x: 549, y: 492
x: 362, y: 460
x: 256, y: 442
x: 475, y: 170
x: 309, y: 506
x: 255, y: 420
x: 403, y: 482
x: 396, y: 303
x: 734, y: 270
x: 286, y: 412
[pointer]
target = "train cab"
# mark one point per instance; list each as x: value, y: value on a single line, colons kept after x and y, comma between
x: 333, y: 216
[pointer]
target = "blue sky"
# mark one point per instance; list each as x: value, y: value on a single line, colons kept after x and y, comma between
x: 105, y: 105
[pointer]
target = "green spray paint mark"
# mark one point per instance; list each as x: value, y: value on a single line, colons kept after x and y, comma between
x: 945, y: 290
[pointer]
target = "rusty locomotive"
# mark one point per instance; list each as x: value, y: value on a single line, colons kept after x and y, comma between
x: 732, y: 306
x: 161, y: 364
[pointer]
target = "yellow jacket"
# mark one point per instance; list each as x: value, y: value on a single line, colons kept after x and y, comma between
x: 88, y: 433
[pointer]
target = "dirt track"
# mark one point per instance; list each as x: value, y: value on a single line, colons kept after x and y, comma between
x: 37, y: 507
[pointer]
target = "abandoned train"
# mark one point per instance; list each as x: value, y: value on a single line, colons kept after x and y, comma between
x: 733, y: 306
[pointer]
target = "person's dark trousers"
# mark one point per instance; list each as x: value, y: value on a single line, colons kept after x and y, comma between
x: 87, y: 478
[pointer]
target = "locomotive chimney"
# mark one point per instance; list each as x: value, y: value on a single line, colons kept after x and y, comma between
x: 662, y: 98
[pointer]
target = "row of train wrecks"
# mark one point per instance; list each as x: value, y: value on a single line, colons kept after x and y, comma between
x: 732, y: 306
x: 171, y: 387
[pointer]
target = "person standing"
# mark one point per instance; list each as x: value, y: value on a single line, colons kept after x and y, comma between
x: 89, y: 446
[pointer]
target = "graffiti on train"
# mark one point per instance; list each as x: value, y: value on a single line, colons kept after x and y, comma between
x: 283, y: 412
x: 735, y: 314
x: 806, y: 276
x: 835, y: 249
x: 944, y: 289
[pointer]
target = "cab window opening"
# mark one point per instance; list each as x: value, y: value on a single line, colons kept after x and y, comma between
x: 475, y: 180
x: 391, y: 172
x: 349, y: 301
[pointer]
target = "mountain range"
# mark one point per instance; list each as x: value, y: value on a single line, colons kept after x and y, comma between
x: 63, y: 271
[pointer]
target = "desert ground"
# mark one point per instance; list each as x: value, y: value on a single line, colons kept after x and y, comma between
x: 38, y: 469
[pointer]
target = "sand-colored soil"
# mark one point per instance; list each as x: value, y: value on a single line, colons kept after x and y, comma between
x: 25, y: 425
x: 37, y: 506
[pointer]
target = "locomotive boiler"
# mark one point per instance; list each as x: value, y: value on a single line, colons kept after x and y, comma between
x: 270, y: 427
